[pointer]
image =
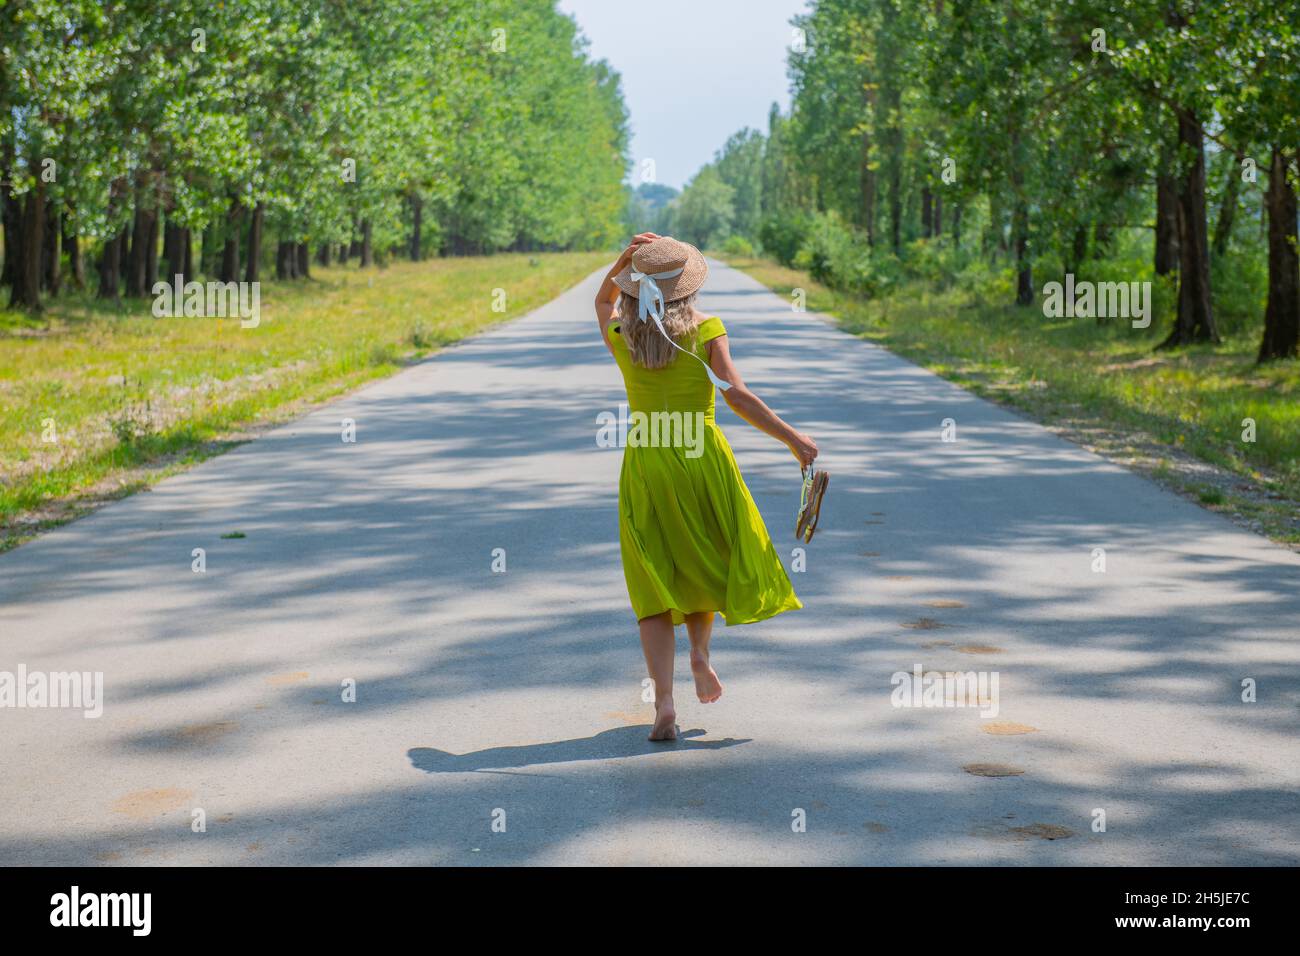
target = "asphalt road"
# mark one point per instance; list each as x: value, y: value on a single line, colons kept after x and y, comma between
x: 515, y: 698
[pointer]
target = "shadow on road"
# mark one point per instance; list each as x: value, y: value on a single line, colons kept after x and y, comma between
x: 607, y: 745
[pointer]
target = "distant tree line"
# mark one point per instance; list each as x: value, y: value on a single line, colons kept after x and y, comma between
x: 140, y: 138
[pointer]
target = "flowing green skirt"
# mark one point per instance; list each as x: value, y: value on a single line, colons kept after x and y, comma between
x: 692, y: 539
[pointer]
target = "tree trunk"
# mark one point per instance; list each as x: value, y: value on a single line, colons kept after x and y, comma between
x: 891, y: 101
x: 151, y: 253
x: 996, y: 230
x: 12, y: 215
x: 1282, y: 314
x: 27, y: 290
x: 52, y: 252
x: 144, y: 256
x: 867, y: 178
x: 896, y: 207
x: 1020, y: 230
x: 209, y: 241
x: 417, y: 215
x: 254, y: 267
x: 169, y: 244
x: 283, y: 261
x: 175, y: 250
x: 112, y: 259
x: 134, y: 266
x: 927, y: 212
x: 124, y: 255
x: 1227, y: 209
x: 956, y: 226
x: 367, y: 253
x: 13, y: 227
x: 304, y: 261
x: 1078, y: 249
x: 1020, y: 242
x: 323, y: 254
x: 76, y: 262
x: 230, y: 252
x: 1024, y: 274
x: 1195, y: 321
x: 1166, y: 225
x: 938, y: 215
x: 187, y: 253
x: 110, y: 266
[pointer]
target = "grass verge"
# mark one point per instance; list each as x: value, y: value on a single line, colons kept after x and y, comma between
x: 98, y: 401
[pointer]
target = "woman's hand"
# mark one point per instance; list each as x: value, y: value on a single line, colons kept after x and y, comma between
x: 626, y: 255
x: 803, y: 448
x: 607, y: 294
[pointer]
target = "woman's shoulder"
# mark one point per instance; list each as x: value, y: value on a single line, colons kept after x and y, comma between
x: 710, y: 328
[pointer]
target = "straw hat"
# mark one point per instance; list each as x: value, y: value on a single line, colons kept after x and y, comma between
x: 665, y: 254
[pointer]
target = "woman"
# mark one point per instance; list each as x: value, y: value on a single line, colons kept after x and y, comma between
x: 692, y: 542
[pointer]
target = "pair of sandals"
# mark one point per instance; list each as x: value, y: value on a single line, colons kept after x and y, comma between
x: 810, y: 502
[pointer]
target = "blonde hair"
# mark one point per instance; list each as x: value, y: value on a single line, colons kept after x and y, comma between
x: 646, y: 344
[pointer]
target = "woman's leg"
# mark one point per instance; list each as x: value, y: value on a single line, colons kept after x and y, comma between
x: 700, y: 628
x: 657, y: 640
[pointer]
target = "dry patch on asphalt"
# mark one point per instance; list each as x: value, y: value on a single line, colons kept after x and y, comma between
x: 1007, y: 728
x: 201, y: 735
x: 283, y: 680
x: 1034, y: 831
x: 143, y: 804
x: 924, y: 624
x: 992, y: 770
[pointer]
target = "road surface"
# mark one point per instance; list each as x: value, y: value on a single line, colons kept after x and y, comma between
x: 498, y: 716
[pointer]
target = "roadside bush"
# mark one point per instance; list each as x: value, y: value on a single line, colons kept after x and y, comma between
x: 781, y: 236
x: 738, y: 246
x: 838, y: 256
x: 936, y: 261
x: 422, y: 336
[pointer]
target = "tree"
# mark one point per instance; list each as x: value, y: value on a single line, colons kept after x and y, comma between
x: 704, y: 213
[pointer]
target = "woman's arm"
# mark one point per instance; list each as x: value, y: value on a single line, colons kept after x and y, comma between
x: 607, y: 295
x: 751, y: 408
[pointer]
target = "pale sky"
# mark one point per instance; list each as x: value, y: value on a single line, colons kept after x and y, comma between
x: 694, y: 71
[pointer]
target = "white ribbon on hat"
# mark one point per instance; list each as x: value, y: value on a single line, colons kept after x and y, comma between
x: 650, y: 301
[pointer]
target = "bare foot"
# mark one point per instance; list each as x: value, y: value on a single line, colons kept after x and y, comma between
x: 707, y: 686
x: 665, y: 727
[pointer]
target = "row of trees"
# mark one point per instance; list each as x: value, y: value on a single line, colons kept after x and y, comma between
x: 1058, y: 123
x: 208, y: 134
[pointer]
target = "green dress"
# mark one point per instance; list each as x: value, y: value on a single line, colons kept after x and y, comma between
x: 691, y: 538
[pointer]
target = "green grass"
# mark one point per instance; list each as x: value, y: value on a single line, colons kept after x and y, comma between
x: 1089, y: 377
x: 128, y: 398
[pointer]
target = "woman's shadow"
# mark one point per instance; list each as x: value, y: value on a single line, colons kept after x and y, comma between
x: 606, y: 745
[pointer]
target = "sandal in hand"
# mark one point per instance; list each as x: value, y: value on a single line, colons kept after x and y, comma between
x: 810, y: 502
